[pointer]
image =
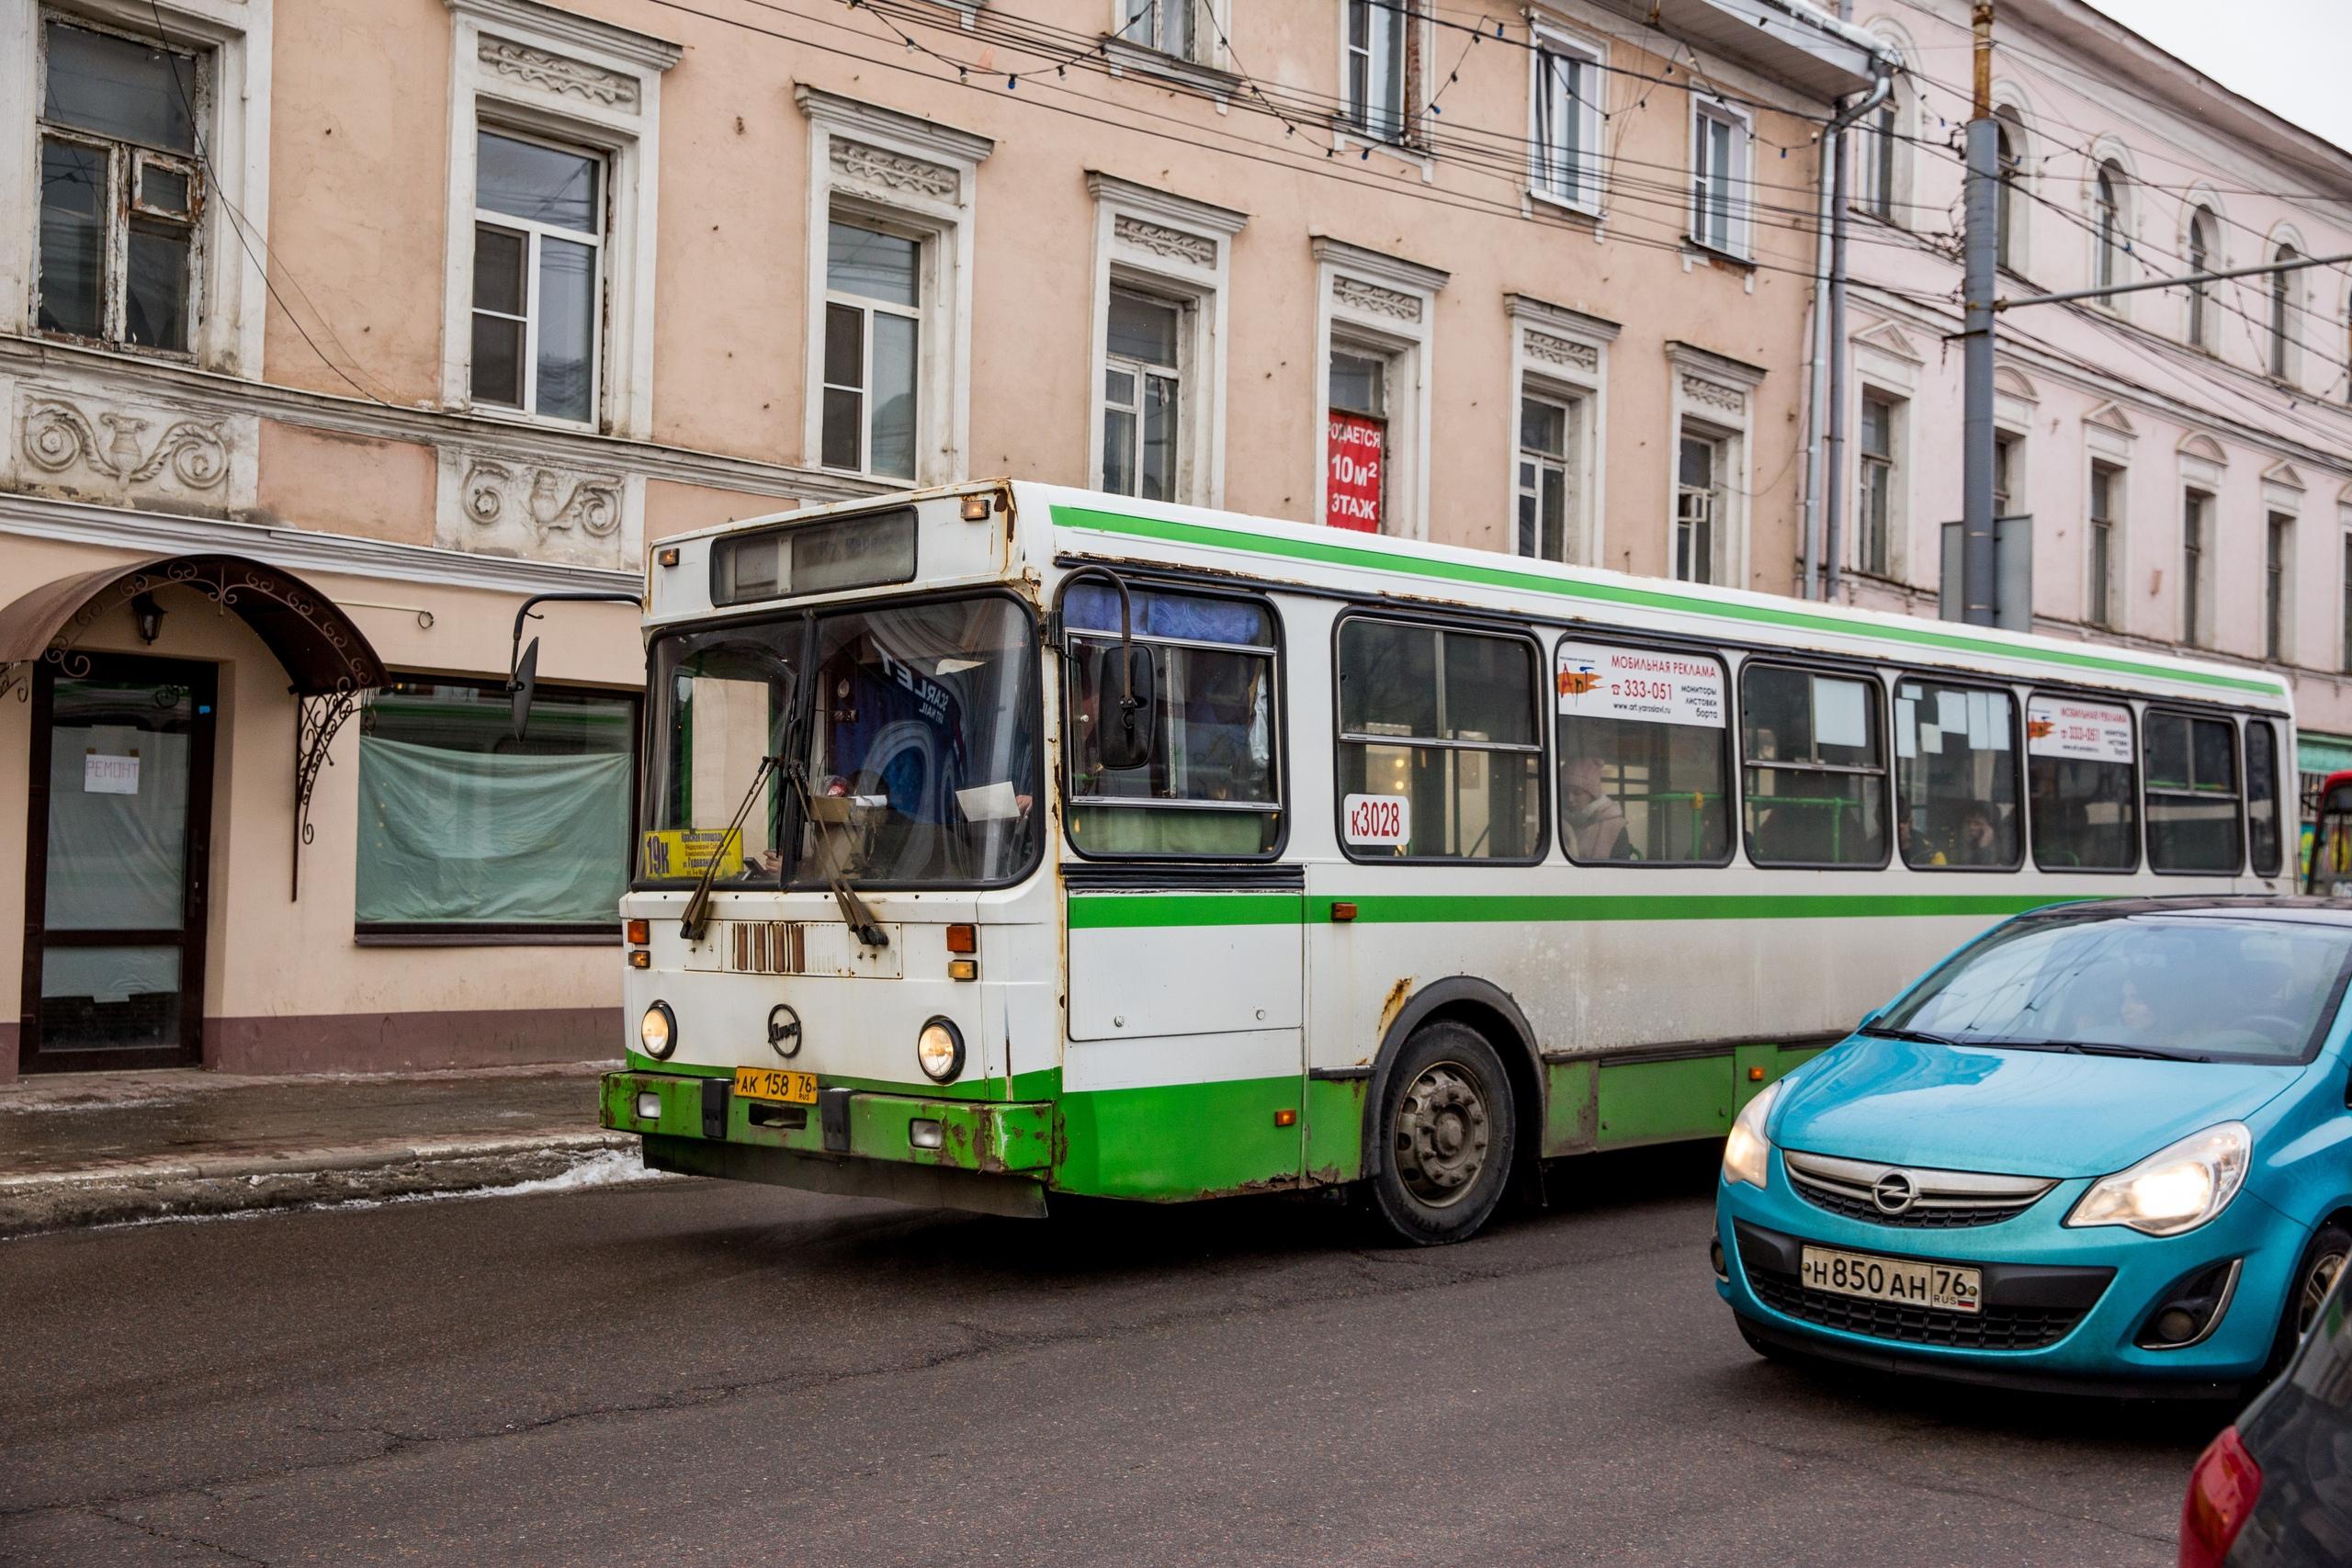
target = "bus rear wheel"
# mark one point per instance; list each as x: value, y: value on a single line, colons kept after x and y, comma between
x: 1449, y: 1129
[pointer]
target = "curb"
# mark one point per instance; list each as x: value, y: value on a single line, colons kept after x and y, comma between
x: 157, y: 1189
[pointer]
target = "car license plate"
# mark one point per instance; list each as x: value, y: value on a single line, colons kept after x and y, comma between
x: 1943, y: 1286
x: 777, y: 1085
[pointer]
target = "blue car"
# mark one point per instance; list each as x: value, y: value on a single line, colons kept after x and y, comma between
x: 2103, y: 1146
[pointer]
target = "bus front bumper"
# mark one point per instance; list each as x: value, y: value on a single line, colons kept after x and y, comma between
x: 988, y: 1155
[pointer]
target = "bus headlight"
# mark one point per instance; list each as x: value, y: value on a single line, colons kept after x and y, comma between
x: 658, y: 1032
x: 939, y: 1050
x: 1747, y: 1153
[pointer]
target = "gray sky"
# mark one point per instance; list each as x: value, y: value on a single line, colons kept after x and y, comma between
x: 2289, y: 56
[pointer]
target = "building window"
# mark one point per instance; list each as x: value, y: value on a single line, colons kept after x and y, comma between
x: 1142, y: 397
x: 2277, y: 557
x: 1379, y: 64
x: 1547, y: 435
x: 1566, y: 98
x: 538, y: 241
x: 2107, y: 483
x: 873, y: 349
x: 1718, y: 173
x: 1171, y: 26
x: 2282, y: 297
x: 1874, y: 162
x: 2107, y: 228
x: 2196, y: 507
x: 121, y: 188
x: 1698, y: 506
x: 1358, y: 443
x: 464, y: 827
x: 1440, y: 754
x: 2008, y: 222
x: 1377, y: 313
x: 2004, y: 470
x: 1817, y: 768
x: 1874, y: 513
x: 2203, y: 228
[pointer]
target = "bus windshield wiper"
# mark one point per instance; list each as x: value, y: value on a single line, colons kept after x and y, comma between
x: 854, y: 914
x: 697, y: 911
x: 1916, y: 1036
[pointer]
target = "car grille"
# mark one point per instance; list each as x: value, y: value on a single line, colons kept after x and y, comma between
x: 1942, y: 1200
x: 1995, y: 1328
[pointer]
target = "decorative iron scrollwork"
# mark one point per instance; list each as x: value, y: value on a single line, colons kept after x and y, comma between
x: 317, y: 717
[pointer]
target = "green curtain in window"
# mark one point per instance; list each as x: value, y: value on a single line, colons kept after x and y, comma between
x: 476, y: 836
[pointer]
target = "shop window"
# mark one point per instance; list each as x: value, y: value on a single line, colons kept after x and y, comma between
x: 1644, y: 746
x: 1440, y: 755
x: 1817, y: 768
x: 2078, y: 767
x: 2191, y: 767
x: 463, y: 828
x: 1956, y: 776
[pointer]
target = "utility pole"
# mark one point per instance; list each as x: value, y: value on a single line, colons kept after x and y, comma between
x: 1977, y: 580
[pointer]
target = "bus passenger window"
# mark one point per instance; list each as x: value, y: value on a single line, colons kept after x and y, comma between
x: 2262, y: 797
x: 1955, y: 776
x: 1644, y: 744
x: 1817, y: 768
x: 2192, y: 786
x: 1440, y: 753
x: 1211, y: 786
x: 2078, y: 767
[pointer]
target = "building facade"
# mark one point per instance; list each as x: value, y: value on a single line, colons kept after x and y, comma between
x: 2185, y: 455
x: 331, y: 331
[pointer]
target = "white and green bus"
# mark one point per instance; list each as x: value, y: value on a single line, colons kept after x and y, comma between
x: 1004, y: 841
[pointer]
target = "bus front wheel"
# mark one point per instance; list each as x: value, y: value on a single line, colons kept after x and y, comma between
x: 1449, y: 1131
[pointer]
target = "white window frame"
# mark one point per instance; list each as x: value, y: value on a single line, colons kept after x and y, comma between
x: 2284, y: 297
x: 2110, y: 227
x: 537, y: 72
x: 1140, y: 375
x: 2282, y: 498
x: 2114, y: 613
x: 227, y: 296
x: 1137, y: 27
x: 2200, y: 308
x: 1382, y: 307
x: 1732, y: 185
x: 1346, y: 127
x: 2015, y: 203
x: 1713, y: 397
x: 1581, y: 112
x: 868, y: 307
x: 919, y: 178
x: 1899, y: 429
x: 533, y: 232
x: 1179, y: 249
x: 1562, y: 356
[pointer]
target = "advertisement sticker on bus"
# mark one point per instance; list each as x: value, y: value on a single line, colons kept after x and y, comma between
x: 2090, y: 732
x: 1648, y: 685
x: 1376, y: 819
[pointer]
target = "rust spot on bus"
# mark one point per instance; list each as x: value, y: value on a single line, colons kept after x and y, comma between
x: 1394, y: 1003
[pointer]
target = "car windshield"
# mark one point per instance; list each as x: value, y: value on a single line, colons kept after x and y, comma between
x: 916, y: 729
x: 2138, y: 985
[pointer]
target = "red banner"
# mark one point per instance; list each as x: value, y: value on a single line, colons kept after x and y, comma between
x: 1358, y: 451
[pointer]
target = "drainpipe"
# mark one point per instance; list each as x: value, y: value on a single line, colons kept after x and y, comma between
x: 1827, y: 411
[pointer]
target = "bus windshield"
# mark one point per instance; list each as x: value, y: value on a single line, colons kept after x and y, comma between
x: 915, y: 728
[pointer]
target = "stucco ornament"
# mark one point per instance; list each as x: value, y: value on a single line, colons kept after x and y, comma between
x: 879, y: 167
x: 1563, y: 351
x: 57, y: 435
x: 1172, y: 244
x: 1714, y: 394
x: 1376, y: 300
x: 591, y: 505
x: 555, y: 74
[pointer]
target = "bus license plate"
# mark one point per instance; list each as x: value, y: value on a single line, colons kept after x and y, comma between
x: 777, y: 1085
x: 1943, y: 1286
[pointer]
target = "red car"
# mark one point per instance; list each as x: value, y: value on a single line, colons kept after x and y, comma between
x: 2275, y: 1491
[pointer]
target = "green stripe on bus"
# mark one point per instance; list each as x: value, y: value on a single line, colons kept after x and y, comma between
x: 1356, y: 556
x: 1098, y: 911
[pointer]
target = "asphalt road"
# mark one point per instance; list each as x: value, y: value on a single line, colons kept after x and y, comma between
x: 689, y: 1371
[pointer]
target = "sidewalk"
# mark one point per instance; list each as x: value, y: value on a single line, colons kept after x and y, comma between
x: 97, y: 1148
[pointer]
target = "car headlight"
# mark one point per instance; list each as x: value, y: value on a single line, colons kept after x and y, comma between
x: 1747, y: 1153
x: 658, y: 1032
x: 2176, y: 1189
x: 939, y: 1050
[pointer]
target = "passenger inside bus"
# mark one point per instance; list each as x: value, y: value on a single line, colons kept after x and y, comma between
x: 1591, y: 819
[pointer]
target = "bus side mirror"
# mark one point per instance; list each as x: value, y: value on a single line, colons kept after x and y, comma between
x: 520, y: 684
x: 1124, y: 706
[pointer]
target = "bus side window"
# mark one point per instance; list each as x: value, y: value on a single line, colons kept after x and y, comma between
x: 1441, y: 752
x: 1956, y: 776
x: 1644, y: 746
x: 2262, y: 797
x: 2190, y: 769
x: 1817, y: 768
x: 2078, y: 770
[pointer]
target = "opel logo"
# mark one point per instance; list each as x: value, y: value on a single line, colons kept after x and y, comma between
x: 1894, y: 1192
x: 784, y: 1032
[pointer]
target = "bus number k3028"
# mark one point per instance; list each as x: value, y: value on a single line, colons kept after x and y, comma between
x: 1377, y: 818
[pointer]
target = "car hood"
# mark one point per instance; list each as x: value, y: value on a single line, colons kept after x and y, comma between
x: 2009, y: 1111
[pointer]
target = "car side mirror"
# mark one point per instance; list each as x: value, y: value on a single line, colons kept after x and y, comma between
x: 1124, y: 706
x: 521, y: 683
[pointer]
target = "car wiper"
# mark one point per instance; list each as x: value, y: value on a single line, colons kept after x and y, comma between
x: 1918, y: 1036
x: 697, y: 911
x: 2103, y: 1048
x: 854, y: 914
